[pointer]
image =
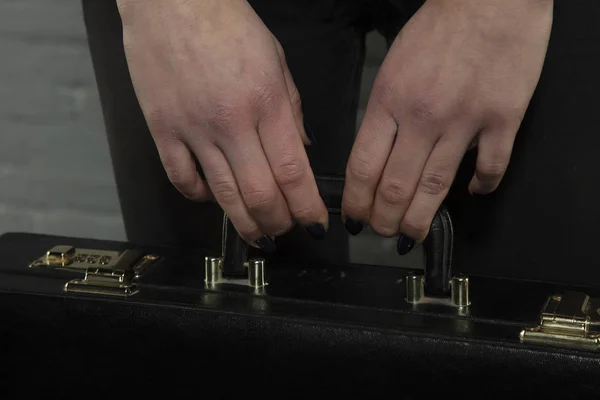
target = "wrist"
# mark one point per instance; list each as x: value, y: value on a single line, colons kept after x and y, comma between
x: 493, y: 3
x: 493, y: 11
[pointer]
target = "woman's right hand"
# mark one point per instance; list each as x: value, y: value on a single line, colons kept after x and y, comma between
x: 214, y: 86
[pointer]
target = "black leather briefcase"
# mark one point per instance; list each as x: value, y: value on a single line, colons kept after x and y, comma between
x: 82, y: 316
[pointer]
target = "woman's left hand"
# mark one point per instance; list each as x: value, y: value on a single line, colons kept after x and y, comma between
x: 460, y: 71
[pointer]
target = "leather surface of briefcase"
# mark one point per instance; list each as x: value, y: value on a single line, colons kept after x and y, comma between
x: 88, y: 316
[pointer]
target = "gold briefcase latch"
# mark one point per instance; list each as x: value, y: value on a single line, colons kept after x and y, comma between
x: 570, y: 320
x: 105, y: 272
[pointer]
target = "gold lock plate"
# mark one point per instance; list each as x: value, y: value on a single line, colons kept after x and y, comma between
x: 105, y: 272
x: 570, y: 320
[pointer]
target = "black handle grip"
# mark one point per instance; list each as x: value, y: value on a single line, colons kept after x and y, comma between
x: 331, y: 189
x: 234, y: 251
x: 438, y: 244
x: 438, y: 253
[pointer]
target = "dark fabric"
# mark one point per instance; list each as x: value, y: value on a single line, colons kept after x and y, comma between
x: 324, y: 43
x: 542, y: 223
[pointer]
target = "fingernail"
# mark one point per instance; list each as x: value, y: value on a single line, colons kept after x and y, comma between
x: 317, y: 231
x: 309, y: 134
x: 405, y: 245
x: 353, y: 227
x: 266, y: 243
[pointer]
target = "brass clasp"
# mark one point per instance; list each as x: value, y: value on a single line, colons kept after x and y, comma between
x: 569, y: 320
x: 105, y: 272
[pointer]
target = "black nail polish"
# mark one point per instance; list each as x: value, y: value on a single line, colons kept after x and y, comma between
x: 310, y: 134
x: 266, y: 243
x: 353, y: 227
x: 405, y: 245
x: 317, y: 231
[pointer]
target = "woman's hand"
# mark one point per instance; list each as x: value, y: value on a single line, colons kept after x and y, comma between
x: 214, y: 86
x: 460, y: 71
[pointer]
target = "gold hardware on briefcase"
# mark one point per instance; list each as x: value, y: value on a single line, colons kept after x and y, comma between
x: 255, y: 277
x: 247, y: 272
x: 105, y: 272
x: 459, y: 291
x: 570, y: 320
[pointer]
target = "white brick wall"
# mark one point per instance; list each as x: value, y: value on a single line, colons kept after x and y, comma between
x: 55, y: 172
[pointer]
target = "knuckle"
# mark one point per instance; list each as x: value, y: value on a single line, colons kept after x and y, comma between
x: 382, y: 92
x: 395, y: 193
x: 187, y: 186
x: 197, y: 196
x: 296, y: 100
x: 290, y: 173
x: 248, y: 230
x: 184, y: 184
x: 282, y: 228
x: 385, y: 231
x: 225, y: 191
x: 491, y: 170
x: 433, y: 184
x: 165, y: 125
x: 266, y: 95
x: 158, y: 118
x: 222, y: 117
x: 505, y: 117
x: 259, y: 200
x: 176, y: 176
x: 280, y: 51
x: 355, y: 210
x: 425, y: 110
x: 306, y: 213
x: 415, y: 229
x: 183, y: 180
x: 360, y: 168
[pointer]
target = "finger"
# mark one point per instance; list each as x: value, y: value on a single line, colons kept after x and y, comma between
x: 180, y: 167
x: 474, y: 143
x: 370, y: 152
x: 296, y: 103
x: 432, y: 188
x: 289, y: 163
x: 256, y: 183
x: 223, y: 185
x: 400, y: 178
x: 493, y: 156
x: 295, y: 100
x: 305, y: 134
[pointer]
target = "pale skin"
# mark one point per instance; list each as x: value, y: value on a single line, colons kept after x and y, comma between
x: 213, y: 85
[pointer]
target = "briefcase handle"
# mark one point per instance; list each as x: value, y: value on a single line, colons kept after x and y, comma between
x: 438, y: 245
